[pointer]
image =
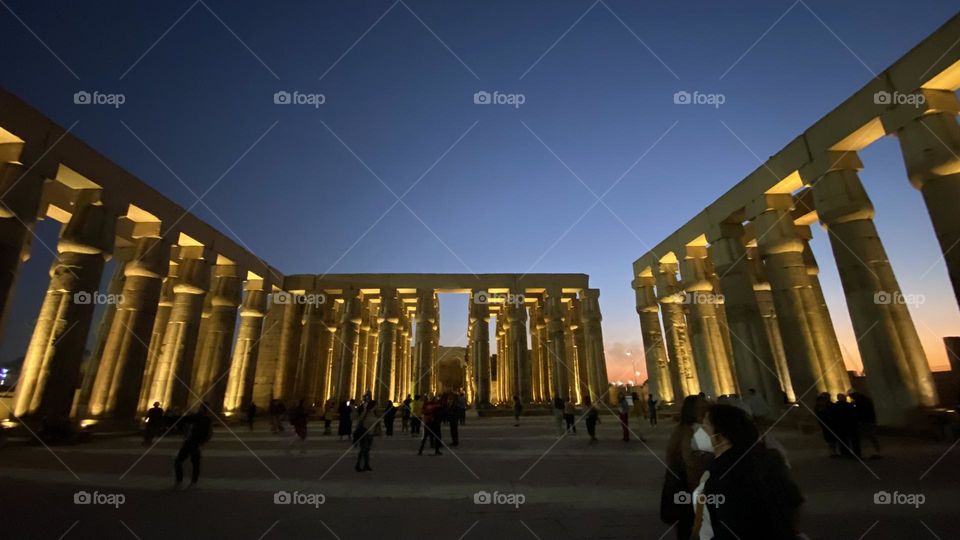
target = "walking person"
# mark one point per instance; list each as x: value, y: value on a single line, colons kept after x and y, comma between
x: 462, y: 409
x: 652, y: 409
x: 593, y: 418
x: 517, y: 411
x: 866, y: 415
x: 431, y: 427
x: 845, y: 426
x: 558, y: 413
x: 345, y: 421
x: 570, y: 416
x: 822, y: 409
x: 452, y: 414
x: 405, y: 415
x: 298, y: 420
x: 368, y: 426
x: 251, y: 414
x: 329, y: 411
x: 389, y: 415
x: 154, y: 423
x: 623, y: 411
x: 416, y: 415
x: 198, y: 432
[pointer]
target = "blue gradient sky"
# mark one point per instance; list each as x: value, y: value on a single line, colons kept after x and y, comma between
x: 496, y: 196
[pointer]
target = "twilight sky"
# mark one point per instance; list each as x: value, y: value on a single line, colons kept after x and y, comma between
x: 511, y: 187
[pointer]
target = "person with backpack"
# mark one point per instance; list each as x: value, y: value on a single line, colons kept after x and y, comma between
x: 198, y: 431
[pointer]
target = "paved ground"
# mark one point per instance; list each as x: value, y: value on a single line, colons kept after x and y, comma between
x: 571, y: 489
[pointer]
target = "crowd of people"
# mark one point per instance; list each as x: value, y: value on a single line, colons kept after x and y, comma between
x: 846, y: 422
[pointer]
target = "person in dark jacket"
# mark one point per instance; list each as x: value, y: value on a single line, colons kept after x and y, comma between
x: 844, y: 419
x: 199, y: 429
x: 756, y: 497
x: 345, y: 421
x: 685, y: 465
x: 389, y: 416
x: 154, y: 423
x: 824, y: 413
x: 866, y: 415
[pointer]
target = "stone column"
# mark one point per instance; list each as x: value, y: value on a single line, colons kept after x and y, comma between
x: 593, y: 341
x: 709, y: 348
x: 117, y: 387
x: 363, y: 350
x: 178, y: 348
x: 752, y: 356
x: 682, y: 370
x: 556, y: 342
x: 537, y: 361
x: 373, y: 345
x: 164, y: 307
x: 826, y: 336
x: 326, y: 382
x: 51, y: 368
x: 288, y: 352
x: 388, y: 318
x: 347, y: 344
x: 517, y: 319
x: 424, y: 348
x: 312, y: 351
x: 654, y: 353
x: 19, y: 204
x: 930, y: 143
x: 244, y: 363
x: 268, y: 351
x: 893, y: 358
x: 480, y: 346
x: 768, y: 312
x: 781, y: 249
x: 213, y: 350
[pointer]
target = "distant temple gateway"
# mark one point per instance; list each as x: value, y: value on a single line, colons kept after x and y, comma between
x: 737, y: 285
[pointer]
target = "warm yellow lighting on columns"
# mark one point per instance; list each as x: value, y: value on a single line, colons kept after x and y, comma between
x: 178, y: 350
x: 389, y: 317
x: 51, y: 368
x: 655, y: 352
x: 536, y: 375
x: 424, y: 348
x: 752, y: 356
x: 930, y: 143
x: 164, y: 307
x: 480, y: 346
x: 709, y: 348
x: 18, y: 212
x: 268, y: 351
x: 243, y: 365
x: 117, y: 387
x: 213, y: 348
x: 682, y: 368
x: 517, y: 319
x: 291, y: 332
x: 768, y: 312
x: 347, y: 341
x: 593, y: 341
x: 556, y: 342
x: 310, y: 359
x: 893, y: 358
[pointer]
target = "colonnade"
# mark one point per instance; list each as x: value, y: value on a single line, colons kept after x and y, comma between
x: 737, y: 287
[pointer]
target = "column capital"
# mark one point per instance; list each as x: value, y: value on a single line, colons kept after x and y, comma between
x: 927, y: 102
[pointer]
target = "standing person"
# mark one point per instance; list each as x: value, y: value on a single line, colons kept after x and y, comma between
x: 686, y: 463
x: 277, y: 410
x: 652, y: 409
x: 431, y: 427
x: 623, y: 411
x: 866, y: 415
x: 251, y: 414
x: 405, y: 415
x: 154, y: 423
x: 569, y: 415
x: 416, y: 415
x: 329, y: 411
x: 198, y: 432
x: 558, y: 413
x: 388, y: 417
x: 823, y: 410
x: 593, y: 418
x: 517, y: 411
x: 845, y: 422
x: 760, y: 500
x: 298, y: 420
x: 345, y: 422
x: 462, y: 409
x: 368, y: 426
x: 453, y: 417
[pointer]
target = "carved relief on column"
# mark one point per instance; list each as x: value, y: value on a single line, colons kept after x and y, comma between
x: 214, y: 345
x: 480, y: 346
x: 655, y: 352
x: 244, y: 363
x: 682, y: 368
